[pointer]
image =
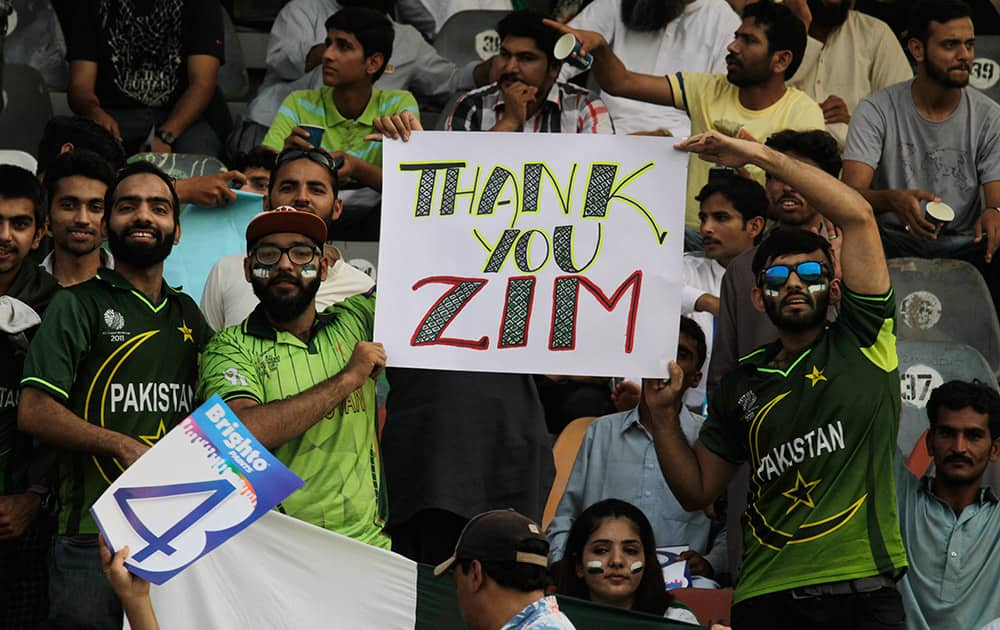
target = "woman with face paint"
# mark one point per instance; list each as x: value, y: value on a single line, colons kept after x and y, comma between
x: 607, y: 553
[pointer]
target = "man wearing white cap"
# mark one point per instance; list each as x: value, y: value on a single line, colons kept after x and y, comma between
x: 501, y: 571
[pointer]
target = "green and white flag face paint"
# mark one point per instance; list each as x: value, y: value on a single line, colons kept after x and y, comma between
x: 282, y: 573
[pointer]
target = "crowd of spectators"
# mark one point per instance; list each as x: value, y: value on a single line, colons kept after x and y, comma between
x: 819, y: 136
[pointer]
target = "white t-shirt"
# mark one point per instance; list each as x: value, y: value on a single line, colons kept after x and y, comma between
x: 701, y: 275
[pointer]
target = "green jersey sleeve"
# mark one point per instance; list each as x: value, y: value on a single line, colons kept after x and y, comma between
x: 358, y: 313
x: 872, y: 320
x: 62, y: 339
x: 724, y: 432
x: 228, y: 368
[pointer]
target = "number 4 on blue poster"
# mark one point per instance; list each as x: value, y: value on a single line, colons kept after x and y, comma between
x: 202, y: 483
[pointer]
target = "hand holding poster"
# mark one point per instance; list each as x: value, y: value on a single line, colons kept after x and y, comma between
x: 531, y: 253
x: 201, y: 484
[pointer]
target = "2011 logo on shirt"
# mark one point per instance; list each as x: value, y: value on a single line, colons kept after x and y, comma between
x: 115, y: 322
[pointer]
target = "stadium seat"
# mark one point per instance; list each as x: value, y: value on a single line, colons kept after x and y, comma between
x: 985, y: 73
x: 260, y: 12
x: 232, y: 79
x: 710, y: 605
x: 945, y: 300
x: 924, y: 365
x: 26, y: 108
x: 183, y: 165
x: 469, y: 36
x: 564, y: 452
x: 441, y: 123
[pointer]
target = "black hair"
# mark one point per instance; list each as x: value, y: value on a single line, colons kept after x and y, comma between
x: 923, y: 12
x: 79, y: 162
x: 516, y: 575
x: 279, y: 164
x: 82, y: 133
x: 19, y: 183
x: 257, y: 157
x: 372, y: 29
x: 816, y: 145
x: 651, y: 596
x: 140, y: 167
x: 786, y: 242
x: 529, y: 24
x: 691, y: 328
x: 747, y: 196
x: 957, y: 395
x: 784, y: 29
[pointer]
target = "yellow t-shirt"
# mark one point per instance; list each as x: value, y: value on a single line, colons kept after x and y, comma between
x: 711, y: 97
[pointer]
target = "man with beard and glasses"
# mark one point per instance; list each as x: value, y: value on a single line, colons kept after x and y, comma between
x: 815, y: 414
x: 126, y: 333
x: 527, y: 97
x: 951, y: 521
x: 658, y: 37
x: 848, y: 56
x: 307, y: 181
x: 77, y: 182
x: 304, y: 382
x: 765, y: 52
x: 932, y: 139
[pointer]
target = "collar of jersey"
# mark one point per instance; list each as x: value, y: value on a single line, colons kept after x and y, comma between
x: 115, y: 279
x: 256, y: 324
x: 761, y: 356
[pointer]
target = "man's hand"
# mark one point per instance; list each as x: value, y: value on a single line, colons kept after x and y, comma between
x: 698, y: 564
x: 395, y: 127
x: 665, y: 396
x: 298, y: 139
x: 835, y: 110
x: 988, y: 223
x: 707, y: 303
x: 130, y: 450
x: 105, y: 120
x: 589, y: 40
x: 366, y: 361
x: 905, y: 204
x: 210, y: 190
x: 713, y: 146
x: 517, y: 97
x: 16, y: 513
x: 625, y: 395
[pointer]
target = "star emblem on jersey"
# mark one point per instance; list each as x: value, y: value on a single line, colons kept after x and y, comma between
x: 184, y: 330
x: 816, y: 376
x: 151, y: 440
x: 801, y: 493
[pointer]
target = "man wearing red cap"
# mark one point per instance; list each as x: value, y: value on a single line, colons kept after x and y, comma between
x: 302, y: 381
x: 501, y: 571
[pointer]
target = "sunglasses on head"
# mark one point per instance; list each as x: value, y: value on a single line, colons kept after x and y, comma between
x: 809, y: 272
x: 319, y: 156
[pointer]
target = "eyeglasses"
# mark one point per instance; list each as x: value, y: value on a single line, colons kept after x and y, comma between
x: 319, y: 156
x: 298, y: 254
x: 808, y: 272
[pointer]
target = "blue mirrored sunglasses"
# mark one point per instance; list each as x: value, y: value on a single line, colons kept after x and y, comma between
x: 808, y: 272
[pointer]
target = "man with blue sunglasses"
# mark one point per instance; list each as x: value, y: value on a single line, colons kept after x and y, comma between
x: 815, y: 414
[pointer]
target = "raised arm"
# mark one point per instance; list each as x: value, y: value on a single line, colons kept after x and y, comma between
x: 905, y: 204
x: 612, y: 75
x: 862, y: 259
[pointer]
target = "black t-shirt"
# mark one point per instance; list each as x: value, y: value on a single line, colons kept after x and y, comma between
x: 141, y: 46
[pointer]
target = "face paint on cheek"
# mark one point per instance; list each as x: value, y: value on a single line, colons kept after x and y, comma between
x: 595, y: 567
x: 638, y: 566
x: 817, y: 288
x: 309, y: 270
x: 261, y: 271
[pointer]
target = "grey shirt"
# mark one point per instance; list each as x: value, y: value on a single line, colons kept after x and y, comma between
x: 950, y: 158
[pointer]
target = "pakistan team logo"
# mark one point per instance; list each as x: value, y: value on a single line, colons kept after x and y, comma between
x: 113, y: 319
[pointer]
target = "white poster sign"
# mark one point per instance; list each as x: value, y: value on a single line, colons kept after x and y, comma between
x: 531, y: 253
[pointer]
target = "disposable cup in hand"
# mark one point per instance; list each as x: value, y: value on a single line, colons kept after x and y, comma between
x: 567, y: 49
x: 940, y: 214
x: 315, y: 134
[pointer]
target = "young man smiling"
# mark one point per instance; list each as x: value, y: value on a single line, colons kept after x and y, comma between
x: 125, y: 332
x: 77, y: 182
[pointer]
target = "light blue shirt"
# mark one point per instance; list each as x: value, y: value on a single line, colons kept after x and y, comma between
x: 541, y: 614
x: 954, y: 569
x: 617, y: 460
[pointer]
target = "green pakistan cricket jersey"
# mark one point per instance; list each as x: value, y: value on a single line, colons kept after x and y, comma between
x: 338, y: 457
x: 117, y: 361
x: 820, y: 438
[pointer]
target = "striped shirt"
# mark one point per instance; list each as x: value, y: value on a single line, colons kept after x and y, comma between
x: 567, y: 109
x: 315, y: 107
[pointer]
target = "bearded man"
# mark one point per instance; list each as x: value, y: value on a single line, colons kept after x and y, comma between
x: 303, y: 382
x: 126, y: 333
